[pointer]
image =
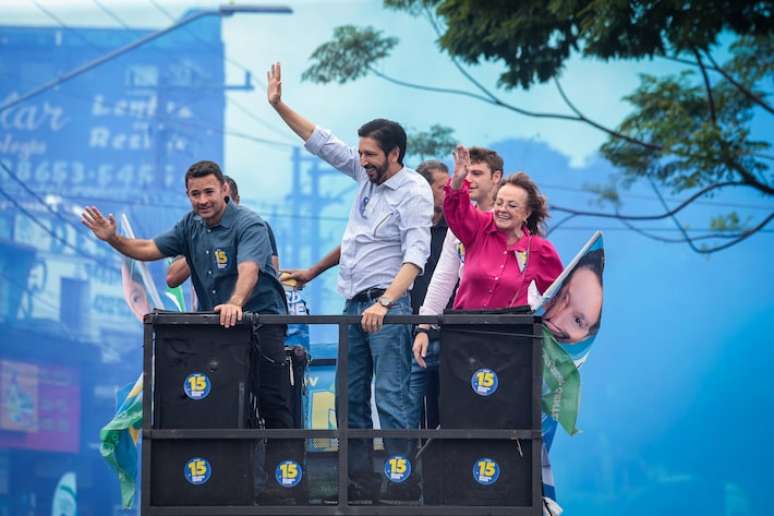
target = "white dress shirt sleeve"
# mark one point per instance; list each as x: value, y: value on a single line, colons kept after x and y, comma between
x: 444, y: 279
x: 336, y: 153
x: 415, y: 218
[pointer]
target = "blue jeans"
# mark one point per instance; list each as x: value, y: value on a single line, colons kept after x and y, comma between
x: 423, y: 388
x: 385, y: 357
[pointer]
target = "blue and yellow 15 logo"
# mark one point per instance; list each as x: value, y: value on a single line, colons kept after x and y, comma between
x: 221, y: 258
x: 397, y: 468
x: 288, y: 473
x: 484, y: 382
x: 197, y: 471
x: 486, y: 471
x: 196, y: 386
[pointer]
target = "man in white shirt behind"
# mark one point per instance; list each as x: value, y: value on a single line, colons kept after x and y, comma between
x: 484, y: 177
x: 385, y: 246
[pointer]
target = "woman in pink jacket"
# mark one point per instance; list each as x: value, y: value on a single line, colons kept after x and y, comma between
x: 504, y: 249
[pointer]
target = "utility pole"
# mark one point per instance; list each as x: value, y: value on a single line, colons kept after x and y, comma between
x: 306, y: 202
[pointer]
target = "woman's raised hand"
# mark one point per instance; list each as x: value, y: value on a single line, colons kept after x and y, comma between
x: 461, y: 164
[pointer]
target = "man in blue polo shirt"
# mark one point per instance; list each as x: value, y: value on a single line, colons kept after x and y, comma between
x: 227, y: 248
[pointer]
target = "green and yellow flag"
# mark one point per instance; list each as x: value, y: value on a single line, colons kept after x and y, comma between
x: 118, y: 439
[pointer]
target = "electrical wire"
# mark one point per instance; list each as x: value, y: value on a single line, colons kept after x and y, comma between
x: 38, y: 222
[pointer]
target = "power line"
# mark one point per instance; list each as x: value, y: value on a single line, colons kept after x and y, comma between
x: 37, y: 222
x: 193, y: 125
x: 118, y: 19
x: 40, y: 200
x: 268, y: 212
x: 225, y: 57
x: 246, y: 111
x: 659, y: 230
x: 234, y: 102
x: 63, y: 25
x: 239, y: 65
x: 654, y: 199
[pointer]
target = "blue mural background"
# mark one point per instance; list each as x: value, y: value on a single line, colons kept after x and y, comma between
x: 676, y: 394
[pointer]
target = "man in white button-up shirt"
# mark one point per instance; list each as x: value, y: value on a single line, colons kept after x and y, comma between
x: 385, y: 246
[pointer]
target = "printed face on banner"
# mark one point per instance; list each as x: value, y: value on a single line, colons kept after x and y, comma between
x: 134, y: 289
x: 573, y: 313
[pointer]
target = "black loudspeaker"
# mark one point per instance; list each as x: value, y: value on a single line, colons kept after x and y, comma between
x: 204, y: 375
x: 202, y: 472
x: 478, y: 472
x: 486, y: 376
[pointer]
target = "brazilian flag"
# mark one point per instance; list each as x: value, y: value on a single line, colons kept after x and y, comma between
x: 118, y: 439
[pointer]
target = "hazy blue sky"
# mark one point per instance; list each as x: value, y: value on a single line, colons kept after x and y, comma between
x: 254, y: 41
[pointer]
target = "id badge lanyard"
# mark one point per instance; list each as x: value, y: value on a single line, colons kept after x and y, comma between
x: 522, y: 261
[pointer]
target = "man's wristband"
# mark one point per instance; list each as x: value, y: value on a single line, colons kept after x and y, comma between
x: 432, y: 333
x: 419, y: 329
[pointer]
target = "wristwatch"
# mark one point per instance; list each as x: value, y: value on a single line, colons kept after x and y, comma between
x: 385, y: 302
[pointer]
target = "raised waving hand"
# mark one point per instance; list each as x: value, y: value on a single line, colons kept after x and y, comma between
x: 274, y: 84
x: 461, y: 164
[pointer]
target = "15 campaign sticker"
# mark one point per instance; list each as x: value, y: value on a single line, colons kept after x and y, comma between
x: 484, y: 382
x: 197, y: 471
x: 397, y: 468
x: 288, y: 473
x: 196, y: 386
x: 486, y: 471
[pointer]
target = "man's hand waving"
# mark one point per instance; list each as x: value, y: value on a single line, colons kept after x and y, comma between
x: 103, y: 228
x: 274, y: 84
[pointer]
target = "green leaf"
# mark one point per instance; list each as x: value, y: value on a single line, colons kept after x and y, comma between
x: 349, y: 55
x: 438, y: 142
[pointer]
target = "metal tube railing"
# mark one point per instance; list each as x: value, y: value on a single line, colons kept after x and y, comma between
x: 343, y: 433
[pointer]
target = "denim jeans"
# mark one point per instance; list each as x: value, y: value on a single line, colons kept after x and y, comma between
x: 272, y: 386
x: 423, y: 388
x: 385, y: 357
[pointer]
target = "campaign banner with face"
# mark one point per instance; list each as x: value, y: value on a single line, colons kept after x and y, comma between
x: 571, y: 309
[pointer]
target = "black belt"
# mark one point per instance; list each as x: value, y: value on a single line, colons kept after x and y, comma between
x: 369, y: 294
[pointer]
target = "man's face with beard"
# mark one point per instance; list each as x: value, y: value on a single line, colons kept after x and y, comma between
x: 374, y: 160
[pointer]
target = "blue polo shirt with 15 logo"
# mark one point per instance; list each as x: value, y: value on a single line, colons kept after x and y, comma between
x: 213, y: 254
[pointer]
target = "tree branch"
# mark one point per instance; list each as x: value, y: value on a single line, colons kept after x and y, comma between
x: 737, y: 238
x: 746, y: 92
x: 666, y: 240
x: 673, y: 217
x: 423, y: 87
x: 496, y: 102
x: 748, y: 177
x: 708, y: 87
x: 559, y: 224
x: 484, y: 90
x: 686, y: 61
x: 744, y: 235
x: 611, y: 132
x: 665, y: 215
x: 580, y: 117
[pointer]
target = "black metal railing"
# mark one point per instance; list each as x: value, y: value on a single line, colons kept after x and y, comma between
x: 343, y: 434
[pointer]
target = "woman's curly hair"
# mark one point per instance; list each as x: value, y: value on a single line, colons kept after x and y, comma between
x: 536, y: 201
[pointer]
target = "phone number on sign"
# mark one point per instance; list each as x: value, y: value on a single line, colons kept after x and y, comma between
x: 76, y: 173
